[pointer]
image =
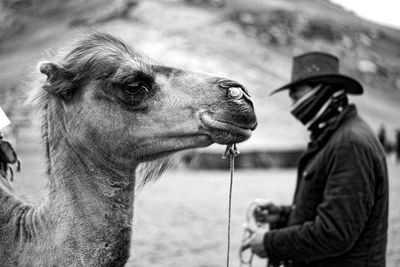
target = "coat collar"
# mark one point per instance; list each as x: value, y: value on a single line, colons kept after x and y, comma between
x: 321, y: 139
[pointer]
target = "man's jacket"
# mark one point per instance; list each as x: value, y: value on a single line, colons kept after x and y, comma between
x: 340, y: 208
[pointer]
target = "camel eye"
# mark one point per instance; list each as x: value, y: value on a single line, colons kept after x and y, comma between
x: 137, y: 88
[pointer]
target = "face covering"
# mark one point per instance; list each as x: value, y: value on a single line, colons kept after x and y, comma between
x: 313, y: 105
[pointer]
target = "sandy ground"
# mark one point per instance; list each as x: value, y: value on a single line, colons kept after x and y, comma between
x: 182, y: 219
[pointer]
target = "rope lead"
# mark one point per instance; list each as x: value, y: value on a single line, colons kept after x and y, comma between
x: 231, y: 151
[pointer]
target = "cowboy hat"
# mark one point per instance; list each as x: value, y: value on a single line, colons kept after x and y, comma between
x: 319, y: 67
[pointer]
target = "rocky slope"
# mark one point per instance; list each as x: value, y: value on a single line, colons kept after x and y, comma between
x: 250, y: 43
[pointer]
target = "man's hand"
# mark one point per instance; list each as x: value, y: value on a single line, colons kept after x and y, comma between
x: 267, y: 212
x: 256, y: 241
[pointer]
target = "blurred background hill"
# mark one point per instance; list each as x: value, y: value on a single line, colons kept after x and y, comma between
x: 249, y: 41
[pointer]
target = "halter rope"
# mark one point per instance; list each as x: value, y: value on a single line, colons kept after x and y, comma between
x: 231, y: 151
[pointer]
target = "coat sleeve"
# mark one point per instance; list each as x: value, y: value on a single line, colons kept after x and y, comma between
x: 284, y: 217
x: 347, y: 202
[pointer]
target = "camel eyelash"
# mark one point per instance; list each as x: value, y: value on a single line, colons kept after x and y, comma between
x: 138, y: 76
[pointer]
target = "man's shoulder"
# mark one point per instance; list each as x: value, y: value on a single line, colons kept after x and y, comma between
x: 355, y: 131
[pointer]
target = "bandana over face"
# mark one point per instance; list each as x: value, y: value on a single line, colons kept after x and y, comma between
x: 318, y: 106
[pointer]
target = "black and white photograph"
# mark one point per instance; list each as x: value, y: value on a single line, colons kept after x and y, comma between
x: 199, y: 133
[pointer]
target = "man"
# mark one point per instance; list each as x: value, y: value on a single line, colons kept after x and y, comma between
x: 339, y: 215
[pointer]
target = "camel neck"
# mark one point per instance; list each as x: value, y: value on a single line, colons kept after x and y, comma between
x: 90, y: 200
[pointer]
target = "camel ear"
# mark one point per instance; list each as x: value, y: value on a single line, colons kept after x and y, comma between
x: 59, y: 80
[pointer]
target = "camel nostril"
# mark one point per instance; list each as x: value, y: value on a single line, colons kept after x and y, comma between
x: 235, y: 93
x: 233, y: 90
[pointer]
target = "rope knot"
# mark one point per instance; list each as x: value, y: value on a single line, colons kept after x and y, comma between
x: 231, y: 150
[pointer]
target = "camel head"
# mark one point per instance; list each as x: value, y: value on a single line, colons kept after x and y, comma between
x: 114, y: 101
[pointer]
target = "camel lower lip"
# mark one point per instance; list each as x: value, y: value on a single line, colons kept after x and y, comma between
x: 170, y: 145
x: 224, y: 126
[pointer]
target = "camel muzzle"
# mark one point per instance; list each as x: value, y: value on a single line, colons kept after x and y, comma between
x: 237, y: 92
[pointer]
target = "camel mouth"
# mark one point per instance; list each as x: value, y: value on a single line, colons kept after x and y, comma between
x: 173, y: 144
x: 223, y: 132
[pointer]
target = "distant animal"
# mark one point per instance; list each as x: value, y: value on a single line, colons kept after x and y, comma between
x: 106, y: 108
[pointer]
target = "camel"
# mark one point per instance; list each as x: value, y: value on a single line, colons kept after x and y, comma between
x: 107, y: 108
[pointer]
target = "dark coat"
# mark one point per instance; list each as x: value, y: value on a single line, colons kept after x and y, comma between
x: 340, y: 207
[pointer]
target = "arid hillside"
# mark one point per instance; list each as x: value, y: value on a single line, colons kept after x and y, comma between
x: 250, y: 41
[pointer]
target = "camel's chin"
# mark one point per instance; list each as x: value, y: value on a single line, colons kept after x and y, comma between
x: 223, y: 132
x: 223, y: 138
x: 174, y: 145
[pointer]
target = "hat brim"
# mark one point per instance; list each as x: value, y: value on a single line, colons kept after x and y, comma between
x: 349, y: 84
